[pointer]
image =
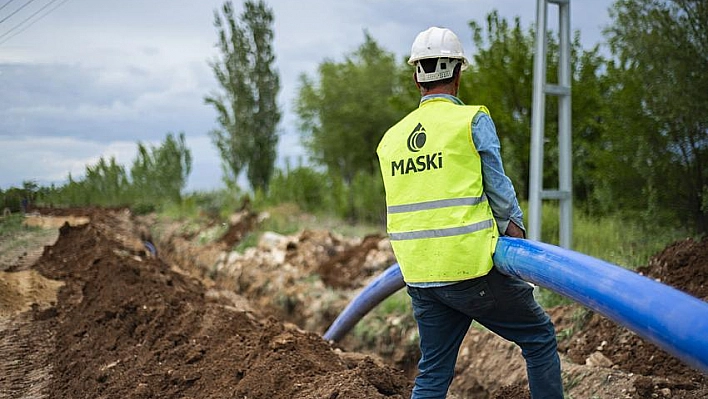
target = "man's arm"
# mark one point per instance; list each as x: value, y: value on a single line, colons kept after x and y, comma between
x: 497, y: 185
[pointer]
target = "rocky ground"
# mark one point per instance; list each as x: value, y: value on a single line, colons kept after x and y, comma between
x: 87, y: 312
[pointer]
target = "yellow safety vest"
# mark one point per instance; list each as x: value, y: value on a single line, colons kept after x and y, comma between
x: 439, y: 222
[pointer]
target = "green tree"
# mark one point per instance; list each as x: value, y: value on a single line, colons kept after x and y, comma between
x: 246, y: 105
x: 11, y: 199
x: 161, y: 172
x: 105, y: 183
x: 173, y: 161
x: 141, y: 172
x: 31, y: 188
x: 301, y: 185
x: 501, y: 77
x: 345, y: 110
x: 158, y: 173
x: 660, y: 89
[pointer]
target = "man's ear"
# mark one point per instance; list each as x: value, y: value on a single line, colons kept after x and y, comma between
x: 456, y: 81
x: 415, y: 79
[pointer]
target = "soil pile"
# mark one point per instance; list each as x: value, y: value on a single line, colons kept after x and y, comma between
x: 308, y: 278
x: 108, y: 319
x: 125, y: 324
x: 683, y: 265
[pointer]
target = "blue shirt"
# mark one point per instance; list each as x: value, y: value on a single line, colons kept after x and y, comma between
x: 497, y: 185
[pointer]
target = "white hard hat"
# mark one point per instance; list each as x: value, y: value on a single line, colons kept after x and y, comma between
x: 440, y: 43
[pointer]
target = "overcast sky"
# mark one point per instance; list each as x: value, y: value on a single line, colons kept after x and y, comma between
x: 84, y: 79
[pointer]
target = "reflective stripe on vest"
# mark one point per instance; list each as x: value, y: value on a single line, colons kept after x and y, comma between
x: 450, y: 231
x: 436, y: 204
x: 439, y: 221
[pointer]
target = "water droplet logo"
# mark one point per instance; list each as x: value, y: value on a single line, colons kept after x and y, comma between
x: 416, y: 140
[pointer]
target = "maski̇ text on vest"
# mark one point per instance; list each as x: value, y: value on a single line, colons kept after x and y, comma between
x: 421, y: 163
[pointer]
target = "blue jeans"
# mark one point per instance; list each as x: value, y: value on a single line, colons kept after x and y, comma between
x: 504, y: 305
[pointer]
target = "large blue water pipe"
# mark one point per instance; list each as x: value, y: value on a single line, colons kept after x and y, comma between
x: 664, y: 316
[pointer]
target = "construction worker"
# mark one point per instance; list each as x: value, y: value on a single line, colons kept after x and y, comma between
x: 448, y: 200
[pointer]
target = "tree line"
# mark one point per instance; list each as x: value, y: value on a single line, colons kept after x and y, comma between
x: 158, y: 174
x: 639, y: 116
x: 639, y: 112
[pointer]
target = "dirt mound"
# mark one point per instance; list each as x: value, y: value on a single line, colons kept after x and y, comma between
x: 240, y: 224
x: 343, y: 270
x: 54, y: 222
x: 126, y: 325
x: 20, y: 290
x: 203, y: 321
x: 309, y: 277
x: 306, y: 278
x: 683, y: 265
x: 73, y: 212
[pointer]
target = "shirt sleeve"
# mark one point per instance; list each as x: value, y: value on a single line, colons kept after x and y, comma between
x: 497, y: 185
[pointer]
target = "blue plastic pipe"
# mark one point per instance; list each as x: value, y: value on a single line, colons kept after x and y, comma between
x: 664, y: 316
x: 150, y: 247
x: 669, y: 318
x: 388, y: 282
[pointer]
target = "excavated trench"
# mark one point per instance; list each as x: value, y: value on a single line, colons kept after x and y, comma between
x: 102, y: 317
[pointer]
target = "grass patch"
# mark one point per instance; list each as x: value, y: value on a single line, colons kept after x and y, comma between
x: 15, y: 235
x: 12, y: 224
x: 288, y: 218
x: 579, y: 318
x: 250, y: 240
x: 398, y: 303
x: 394, y: 312
x: 549, y: 299
x: 626, y: 243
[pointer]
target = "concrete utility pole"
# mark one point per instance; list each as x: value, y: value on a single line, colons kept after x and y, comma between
x: 540, y: 89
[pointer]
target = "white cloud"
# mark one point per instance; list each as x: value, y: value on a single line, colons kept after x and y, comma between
x: 96, y: 77
x: 95, y: 105
x: 55, y: 158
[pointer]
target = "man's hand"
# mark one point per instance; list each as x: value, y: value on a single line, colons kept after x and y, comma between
x: 512, y: 230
